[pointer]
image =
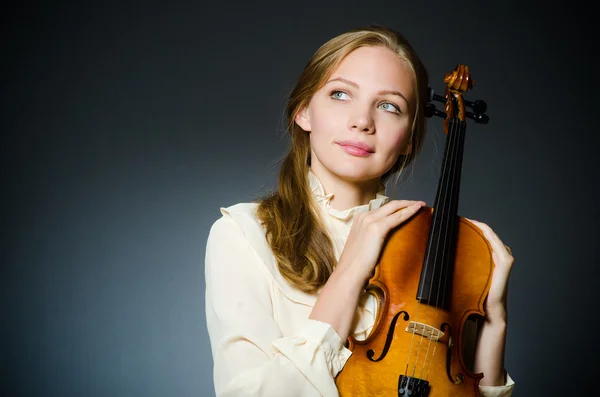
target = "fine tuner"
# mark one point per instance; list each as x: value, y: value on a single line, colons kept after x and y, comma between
x: 478, y: 114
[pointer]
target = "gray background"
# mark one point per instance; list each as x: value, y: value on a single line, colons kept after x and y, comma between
x: 126, y: 126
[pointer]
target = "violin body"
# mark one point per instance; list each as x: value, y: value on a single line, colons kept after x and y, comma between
x: 395, y: 283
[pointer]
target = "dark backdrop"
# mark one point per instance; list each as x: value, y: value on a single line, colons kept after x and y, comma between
x: 126, y: 126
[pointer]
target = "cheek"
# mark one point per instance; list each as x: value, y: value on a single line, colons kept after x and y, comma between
x: 397, y: 142
x: 401, y: 140
x: 324, y: 123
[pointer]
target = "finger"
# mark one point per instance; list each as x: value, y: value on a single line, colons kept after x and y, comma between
x: 492, y: 237
x: 394, y: 206
x: 403, y: 215
x: 487, y: 232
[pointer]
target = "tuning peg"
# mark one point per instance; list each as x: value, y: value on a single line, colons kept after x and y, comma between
x: 478, y: 106
x: 479, y: 118
x: 432, y: 96
x: 431, y: 111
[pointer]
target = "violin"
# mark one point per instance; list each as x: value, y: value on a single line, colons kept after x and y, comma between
x: 434, y: 271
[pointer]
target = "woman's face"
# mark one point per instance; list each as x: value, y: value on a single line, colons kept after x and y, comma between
x: 368, y: 100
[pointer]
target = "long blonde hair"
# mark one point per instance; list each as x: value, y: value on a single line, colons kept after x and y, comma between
x: 297, y: 238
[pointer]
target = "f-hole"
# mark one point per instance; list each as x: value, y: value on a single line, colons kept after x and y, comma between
x: 390, y: 336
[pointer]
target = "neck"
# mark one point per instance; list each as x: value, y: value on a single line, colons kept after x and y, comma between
x: 346, y: 193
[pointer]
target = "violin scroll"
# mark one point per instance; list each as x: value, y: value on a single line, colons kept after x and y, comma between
x: 457, y: 82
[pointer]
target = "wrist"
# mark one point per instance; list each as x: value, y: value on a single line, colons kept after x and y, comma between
x: 496, y: 316
x: 337, y: 300
x: 353, y: 274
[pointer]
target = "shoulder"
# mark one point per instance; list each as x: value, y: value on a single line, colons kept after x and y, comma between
x: 237, y: 238
x: 238, y: 219
x: 247, y: 211
x: 240, y: 229
x: 236, y: 242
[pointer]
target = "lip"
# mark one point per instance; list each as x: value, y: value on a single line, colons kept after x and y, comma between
x: 357, y: 144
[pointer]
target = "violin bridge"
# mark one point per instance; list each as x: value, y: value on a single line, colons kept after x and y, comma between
x: 425, y: 330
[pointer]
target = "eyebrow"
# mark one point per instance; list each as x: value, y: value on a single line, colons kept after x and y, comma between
x: 383, y: 92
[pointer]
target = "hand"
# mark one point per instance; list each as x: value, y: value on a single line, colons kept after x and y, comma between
x: 503, y: 260
x: 368, y: 234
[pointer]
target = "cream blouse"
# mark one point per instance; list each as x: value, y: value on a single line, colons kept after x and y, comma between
x: 262, y: 341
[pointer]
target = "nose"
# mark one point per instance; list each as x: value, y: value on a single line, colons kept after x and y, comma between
x: 361, y: 120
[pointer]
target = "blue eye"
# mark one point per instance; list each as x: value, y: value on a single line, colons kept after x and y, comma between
x: 337, y: 95
x: 391, y: 107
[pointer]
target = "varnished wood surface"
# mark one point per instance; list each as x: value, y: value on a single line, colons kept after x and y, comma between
x: 395, y: 284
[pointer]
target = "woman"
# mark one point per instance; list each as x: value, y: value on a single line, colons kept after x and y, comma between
x: 285, y: 276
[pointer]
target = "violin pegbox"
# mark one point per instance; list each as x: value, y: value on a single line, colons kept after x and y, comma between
x: 457, y: 82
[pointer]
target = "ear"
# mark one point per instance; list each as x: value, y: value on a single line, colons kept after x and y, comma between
x: 303, y: 119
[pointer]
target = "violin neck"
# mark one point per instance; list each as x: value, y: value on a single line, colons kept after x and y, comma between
x: 448, y: 190
x: 438, y: 266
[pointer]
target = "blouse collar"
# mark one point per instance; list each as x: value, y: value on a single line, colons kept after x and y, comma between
x: 324, y: 200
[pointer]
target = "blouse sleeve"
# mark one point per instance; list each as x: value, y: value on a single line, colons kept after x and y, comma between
x: 498, y: 391
x: 251, y: 356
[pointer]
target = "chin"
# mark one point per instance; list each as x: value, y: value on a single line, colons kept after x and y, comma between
x: 356, y: 172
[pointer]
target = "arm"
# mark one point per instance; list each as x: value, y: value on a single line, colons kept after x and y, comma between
x: 251, y: 356
x: 489, y: 355
x: 489, y: 359
x: 491, y: 340
x: 338, y: 299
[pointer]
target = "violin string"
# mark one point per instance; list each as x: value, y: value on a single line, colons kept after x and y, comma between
x: 434, y: 342
x: 416, y: 313
x: 425, y: 361
x: 428, y: 253
x: 430, y: 361
x: 449, y: 213
x: 412, y: 338
x: 444, y: 214
x: 453, y: 214
x: 417, y: 358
